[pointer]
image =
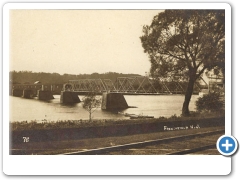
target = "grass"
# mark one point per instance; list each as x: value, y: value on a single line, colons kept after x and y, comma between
x: 25, y: 125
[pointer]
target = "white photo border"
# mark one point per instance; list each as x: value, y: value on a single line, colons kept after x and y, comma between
x: 119, y: 164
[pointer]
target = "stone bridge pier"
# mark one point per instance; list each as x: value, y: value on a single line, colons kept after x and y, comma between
x: 69, y: 97
x: 27, y: 93
x: 17, y: 92
x: 43, y: 92
x: 113, y: 101
x: 110, y: 101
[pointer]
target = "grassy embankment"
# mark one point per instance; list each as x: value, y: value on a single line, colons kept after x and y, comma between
x: 62, y: 124
x: 73, y: 135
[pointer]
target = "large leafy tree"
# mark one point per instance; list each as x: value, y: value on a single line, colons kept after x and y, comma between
x: 186, y: 43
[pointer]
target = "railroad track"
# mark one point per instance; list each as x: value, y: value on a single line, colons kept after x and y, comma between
x: 177, y: 145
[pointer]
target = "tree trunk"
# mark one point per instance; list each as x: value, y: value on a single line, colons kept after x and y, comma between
x: 90, y: 115
x: 188, y: 95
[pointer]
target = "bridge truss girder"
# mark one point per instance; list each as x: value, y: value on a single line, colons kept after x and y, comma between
x: 178, y: 85
x: 92, y: 85
x: 138, y: 84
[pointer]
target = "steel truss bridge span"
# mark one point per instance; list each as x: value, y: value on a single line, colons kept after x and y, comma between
x: 131, y: 85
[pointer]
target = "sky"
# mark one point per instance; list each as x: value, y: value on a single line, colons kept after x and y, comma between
x: 79, y: 41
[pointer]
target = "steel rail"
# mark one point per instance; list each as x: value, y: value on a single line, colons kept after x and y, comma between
x: 193, y: 150
x: 104, y: 150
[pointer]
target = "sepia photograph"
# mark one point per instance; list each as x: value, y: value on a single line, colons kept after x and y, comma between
x: 125, y: 88
x: 116, y: 82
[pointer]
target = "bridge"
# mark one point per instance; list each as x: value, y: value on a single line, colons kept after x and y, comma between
x: 112, y: 92
x: 138, y: 85
x: 33, y: 90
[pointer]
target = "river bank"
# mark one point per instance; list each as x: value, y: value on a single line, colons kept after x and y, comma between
x: 62, y: 124
x: 34, y: 133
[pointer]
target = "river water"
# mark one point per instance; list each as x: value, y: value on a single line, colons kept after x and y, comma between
x: 22, y: 109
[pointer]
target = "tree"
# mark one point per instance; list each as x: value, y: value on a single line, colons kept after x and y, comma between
x: 90, y: 103
x: 211, y: 102
x: 185, y: 42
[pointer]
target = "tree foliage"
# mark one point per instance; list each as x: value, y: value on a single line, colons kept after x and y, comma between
x: 90, y: 103
x: 211, y: 102
x: 185, y: 43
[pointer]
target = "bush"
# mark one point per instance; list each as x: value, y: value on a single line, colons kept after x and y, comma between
x: 211, y: 102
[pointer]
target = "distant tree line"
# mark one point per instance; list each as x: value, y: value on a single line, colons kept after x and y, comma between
x: 29, y: 77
